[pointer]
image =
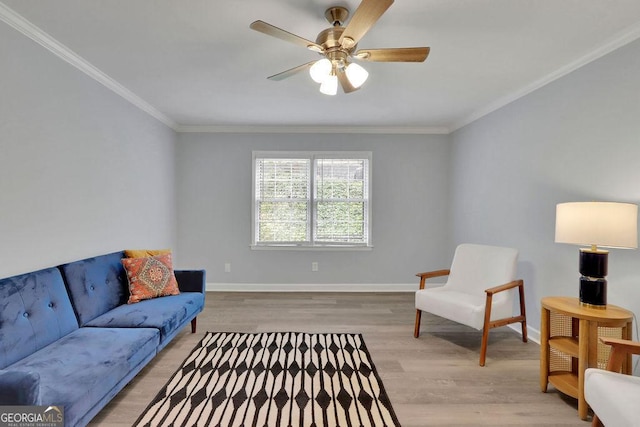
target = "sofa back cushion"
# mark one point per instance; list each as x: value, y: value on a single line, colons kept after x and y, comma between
x: 35, y: 311
x: 96, y: 285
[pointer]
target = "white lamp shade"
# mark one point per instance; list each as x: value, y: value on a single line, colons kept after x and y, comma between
x: 330, y: 85
x: 320, y: 70
x: 606, y: 224
x: 356, y: 75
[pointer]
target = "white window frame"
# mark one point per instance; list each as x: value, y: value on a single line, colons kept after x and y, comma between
x: 312, y: 156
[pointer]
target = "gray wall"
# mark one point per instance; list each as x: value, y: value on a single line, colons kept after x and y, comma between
x: 410, y: 218
x: 82, y: 172
x: 577, y: 139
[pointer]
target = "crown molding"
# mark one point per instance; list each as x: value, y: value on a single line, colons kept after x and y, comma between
x: 395, y: 130
x: 25, y: 27
x: 624, y: 37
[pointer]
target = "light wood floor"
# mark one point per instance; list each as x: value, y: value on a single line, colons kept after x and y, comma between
x: 432, y: 381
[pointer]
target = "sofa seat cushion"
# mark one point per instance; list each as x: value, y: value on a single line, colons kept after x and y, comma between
x: 79, y: 370
x: 164, y: 313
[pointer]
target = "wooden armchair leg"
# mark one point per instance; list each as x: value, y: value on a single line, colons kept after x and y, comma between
x: 416, y: 330
x: 193, y: 325
x: 596, y: 422
x: 483, y: 348
x: 523, y: 312
x: 485, y: 329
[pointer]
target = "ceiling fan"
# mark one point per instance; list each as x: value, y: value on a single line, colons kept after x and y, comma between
x: 338, y: 46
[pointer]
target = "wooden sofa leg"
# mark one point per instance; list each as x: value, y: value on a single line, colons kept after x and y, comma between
x: 416, y: 330
x: 193, y: 325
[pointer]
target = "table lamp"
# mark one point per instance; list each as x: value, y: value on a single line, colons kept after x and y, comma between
x: 596, y: 224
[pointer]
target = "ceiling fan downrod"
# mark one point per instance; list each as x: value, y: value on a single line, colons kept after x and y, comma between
x: 336, y: 15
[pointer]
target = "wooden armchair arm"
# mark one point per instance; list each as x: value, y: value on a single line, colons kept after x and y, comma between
x: 620, y: 349
x: 501, y: 322
x: 431, y: 274
x: 504, y: 287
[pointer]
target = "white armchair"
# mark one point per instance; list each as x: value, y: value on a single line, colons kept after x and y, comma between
x: 479, y: 292
x: 613, y: 396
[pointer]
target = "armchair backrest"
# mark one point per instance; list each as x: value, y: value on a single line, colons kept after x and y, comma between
x: 478, y: 267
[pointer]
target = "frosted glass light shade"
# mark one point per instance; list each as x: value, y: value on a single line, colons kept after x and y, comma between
x: 356, y: 75
x: 330, y: 85
x: 606, y: 224
x: 320, y: 70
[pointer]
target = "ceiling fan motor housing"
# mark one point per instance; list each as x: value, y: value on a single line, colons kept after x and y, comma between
x: 333, y: 50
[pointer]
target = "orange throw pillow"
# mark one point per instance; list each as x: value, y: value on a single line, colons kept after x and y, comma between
x: 150, y: 277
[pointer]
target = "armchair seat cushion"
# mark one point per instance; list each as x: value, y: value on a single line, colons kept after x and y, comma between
x: 462, y: 307
x: 613, y: 397
x: 457, y: 306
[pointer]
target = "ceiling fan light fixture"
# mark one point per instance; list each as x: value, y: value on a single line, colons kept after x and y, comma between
x: 330, y: 85
x: 320, y: 70
x: 356, y: 75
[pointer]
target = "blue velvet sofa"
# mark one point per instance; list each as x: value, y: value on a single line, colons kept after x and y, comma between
x: 68, y: 337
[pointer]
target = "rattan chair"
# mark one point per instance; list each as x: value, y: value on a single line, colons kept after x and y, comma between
x: 479, y: 291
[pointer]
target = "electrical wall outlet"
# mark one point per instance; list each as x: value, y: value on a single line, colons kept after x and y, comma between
x: 227, y: 267
x: 314, y: 266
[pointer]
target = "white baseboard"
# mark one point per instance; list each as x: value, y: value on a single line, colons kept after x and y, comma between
x: 311, y: 287
x: 532, y: 334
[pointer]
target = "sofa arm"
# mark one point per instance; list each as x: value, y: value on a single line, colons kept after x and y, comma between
x: 19, y: 388
x: 191, y: 280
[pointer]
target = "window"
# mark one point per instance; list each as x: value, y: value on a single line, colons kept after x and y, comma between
x: 311, y: 199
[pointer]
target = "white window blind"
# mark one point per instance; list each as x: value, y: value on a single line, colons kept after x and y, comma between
x: 282, y: 198
x: 340, y: 201
x: 311, y: 199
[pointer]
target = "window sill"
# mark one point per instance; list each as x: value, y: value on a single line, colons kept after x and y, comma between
x: 309, y: 248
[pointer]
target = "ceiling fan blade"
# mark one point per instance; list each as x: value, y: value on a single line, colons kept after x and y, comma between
x: 288, y: 73
x: 399, y: 54
x: 345, y: 83
x: 363, y: 19
x: 281, y: 34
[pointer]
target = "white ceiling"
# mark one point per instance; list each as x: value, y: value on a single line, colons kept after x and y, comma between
x: 197, y: 64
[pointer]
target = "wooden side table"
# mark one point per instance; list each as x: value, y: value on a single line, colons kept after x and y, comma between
x: 569, y: 343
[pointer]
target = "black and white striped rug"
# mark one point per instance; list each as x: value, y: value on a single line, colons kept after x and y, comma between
x: 271, y: 380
